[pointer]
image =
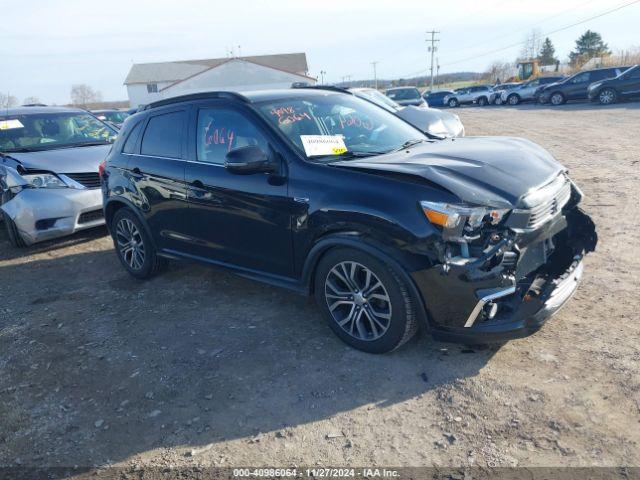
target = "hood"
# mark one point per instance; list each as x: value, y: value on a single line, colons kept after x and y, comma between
x: 64, y: 160
x: 491, y: 171
x: 432, y: 121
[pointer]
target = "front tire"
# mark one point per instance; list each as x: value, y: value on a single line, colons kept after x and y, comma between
x: 482, y: 101
x: 133, y: 245
x: 513, y: 99
x: 365, y: 301
x: 607, y: 96
x: 557, y: 99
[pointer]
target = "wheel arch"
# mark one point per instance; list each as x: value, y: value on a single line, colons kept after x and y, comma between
x: 115, y: 204
x: 359, y: 241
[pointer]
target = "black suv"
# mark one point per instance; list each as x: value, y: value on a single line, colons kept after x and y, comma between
x: 575, y: 87
x: 475, y: 239
x: 624, y: 86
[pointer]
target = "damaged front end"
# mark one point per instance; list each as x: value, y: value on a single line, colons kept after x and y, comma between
x: 509, y: 270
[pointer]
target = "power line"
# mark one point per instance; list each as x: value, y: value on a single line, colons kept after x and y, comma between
x: 566, y: 27
x: 544, y: 20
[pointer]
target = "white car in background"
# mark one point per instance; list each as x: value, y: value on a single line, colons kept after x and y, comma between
x: 433, y: 122
x: 480, y: 95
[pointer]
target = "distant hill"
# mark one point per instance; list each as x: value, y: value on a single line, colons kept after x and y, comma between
x: 421, y: 81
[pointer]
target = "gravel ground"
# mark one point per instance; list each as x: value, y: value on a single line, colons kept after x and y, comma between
x: 199, y: 367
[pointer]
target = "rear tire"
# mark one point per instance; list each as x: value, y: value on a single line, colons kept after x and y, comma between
x: 607, y: 96
x: 514, y: 99
x: 482, y: 101
x: 453, y: 102
x: 557, y: 98
x: 365, y: 301
x: 15, y: 238
x: 134, y: 246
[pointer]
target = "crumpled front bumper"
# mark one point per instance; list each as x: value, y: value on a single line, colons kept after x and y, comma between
x: 43, y: 214
x: 459, y: 299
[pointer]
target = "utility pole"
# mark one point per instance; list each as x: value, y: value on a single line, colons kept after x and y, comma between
x: 437, y: 71
x: 433, y: 50
x: 322, y: 74
x: 375, y: 75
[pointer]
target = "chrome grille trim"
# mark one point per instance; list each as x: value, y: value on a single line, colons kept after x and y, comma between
x: 548, y: 208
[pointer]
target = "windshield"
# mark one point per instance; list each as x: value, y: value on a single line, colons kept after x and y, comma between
x: 46, y: 131
x: 378, y: 98
x: 403, y: 94
x: 115, y: 117
x: 364, y: 127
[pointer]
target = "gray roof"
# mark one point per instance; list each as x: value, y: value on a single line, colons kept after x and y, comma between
x: 179, y: 70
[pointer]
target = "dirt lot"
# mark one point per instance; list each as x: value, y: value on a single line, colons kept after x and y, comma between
x: 201, y: 367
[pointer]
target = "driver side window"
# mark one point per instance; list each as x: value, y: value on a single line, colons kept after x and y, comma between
x: 221, y: 130
x: 583, y: 77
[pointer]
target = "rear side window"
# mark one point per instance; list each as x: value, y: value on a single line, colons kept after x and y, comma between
x: 602, y: 74
x: 221, y: 130
x: 163, y: 135
x: 132, y: 139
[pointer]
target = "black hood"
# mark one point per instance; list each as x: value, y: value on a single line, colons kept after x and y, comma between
x: 491, y: 171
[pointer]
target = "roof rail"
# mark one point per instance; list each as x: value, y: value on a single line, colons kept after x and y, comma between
x: 333, y: 88
x: 195, y: 96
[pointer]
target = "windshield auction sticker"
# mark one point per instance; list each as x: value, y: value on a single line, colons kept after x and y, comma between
x: 316, y: 145
x: 10, y: 124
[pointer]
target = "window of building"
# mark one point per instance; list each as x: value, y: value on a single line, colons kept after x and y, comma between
x: 152, y: 87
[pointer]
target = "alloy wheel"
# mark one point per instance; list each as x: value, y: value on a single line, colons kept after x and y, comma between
x: 606, y: 97
x: 130, y: 244
x: 358, y: 301
x: 556, y: 98
x: 514, y: 100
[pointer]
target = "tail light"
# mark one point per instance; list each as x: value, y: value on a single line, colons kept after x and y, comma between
x: 101, y: 167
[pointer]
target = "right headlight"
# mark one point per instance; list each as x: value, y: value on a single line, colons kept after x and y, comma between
x: 44, y: 180
x: 455, y: 219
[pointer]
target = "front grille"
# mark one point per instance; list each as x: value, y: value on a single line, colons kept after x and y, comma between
x: 89, y: 179
x: 91, y: 216
x: 550, y: 207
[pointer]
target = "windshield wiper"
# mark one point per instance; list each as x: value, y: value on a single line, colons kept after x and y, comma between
x: 409, y: 144
x: 349, y: 155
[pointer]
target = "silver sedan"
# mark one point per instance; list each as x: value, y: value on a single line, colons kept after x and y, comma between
x: 49, y: 180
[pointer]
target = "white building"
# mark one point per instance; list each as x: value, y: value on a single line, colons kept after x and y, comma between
x: 148, y: 82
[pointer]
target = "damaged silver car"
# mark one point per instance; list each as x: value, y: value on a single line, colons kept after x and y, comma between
x: 49, y: 179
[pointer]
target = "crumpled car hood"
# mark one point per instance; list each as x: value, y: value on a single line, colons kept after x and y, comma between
x: 64, y: 160
x: 491, y: 171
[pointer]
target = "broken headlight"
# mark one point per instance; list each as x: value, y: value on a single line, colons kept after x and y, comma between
x: 459, y: 220
x: 44, y: 180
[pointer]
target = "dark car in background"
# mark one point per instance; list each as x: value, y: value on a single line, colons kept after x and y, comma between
x: 476, y: 239
x: 406, y: 96
x: 436, y: 99
x: 49, y: 182
x: 624, y: 86
x: 576, y: 86
x: 113, y: 116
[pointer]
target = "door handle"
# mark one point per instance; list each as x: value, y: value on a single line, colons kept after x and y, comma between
x: 136, y: 173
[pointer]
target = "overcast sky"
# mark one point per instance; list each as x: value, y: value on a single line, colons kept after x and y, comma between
x: 46, y: 46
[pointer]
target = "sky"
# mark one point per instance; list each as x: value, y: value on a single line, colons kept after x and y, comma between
x: 47, y: 46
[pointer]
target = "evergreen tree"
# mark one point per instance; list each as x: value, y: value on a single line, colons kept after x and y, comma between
x: 588, y: 46
x: 547, y: 53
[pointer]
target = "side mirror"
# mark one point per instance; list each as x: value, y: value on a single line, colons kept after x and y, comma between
x: 248, y: 160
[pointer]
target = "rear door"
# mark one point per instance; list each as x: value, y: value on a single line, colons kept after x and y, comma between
x: 157, y: 171
x: 239, y: 220
x: 576, y: 88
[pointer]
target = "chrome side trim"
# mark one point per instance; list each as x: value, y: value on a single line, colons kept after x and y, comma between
x: 484, y: 300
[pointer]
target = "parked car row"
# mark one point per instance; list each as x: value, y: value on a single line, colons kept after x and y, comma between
x: 320, y: 190
x: 603, y: 85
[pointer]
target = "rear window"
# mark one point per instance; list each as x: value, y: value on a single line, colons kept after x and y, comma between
x: 130, y: 142
x: 404, y: 94
x: 163, y: 135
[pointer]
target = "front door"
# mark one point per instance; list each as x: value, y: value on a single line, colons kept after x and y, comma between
x: 239, y: 220
x: 577, y: 86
